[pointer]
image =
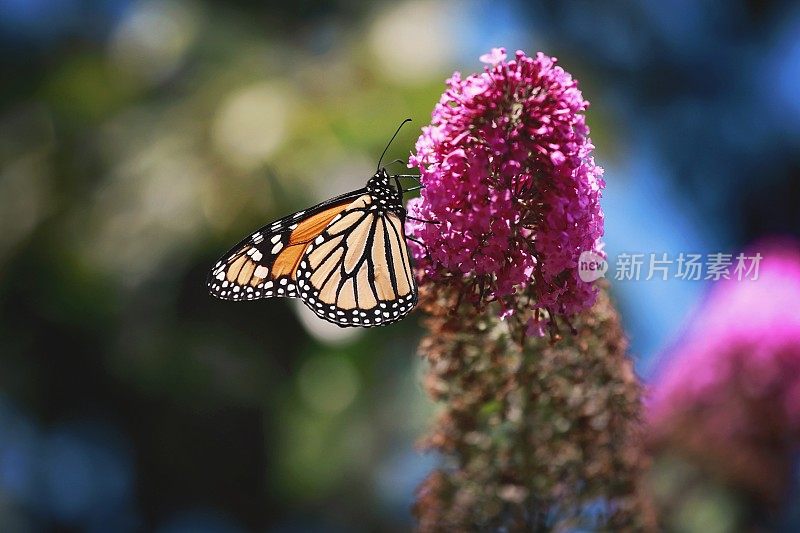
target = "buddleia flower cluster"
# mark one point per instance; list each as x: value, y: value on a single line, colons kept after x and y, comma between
x: 535, y: 434
x: 724, y: 413
x: 511, y: 190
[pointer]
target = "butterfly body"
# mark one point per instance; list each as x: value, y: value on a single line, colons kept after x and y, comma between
x: 345, y: 258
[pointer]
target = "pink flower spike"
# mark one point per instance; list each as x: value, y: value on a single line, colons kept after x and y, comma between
x: 508, y: 174
x: 728, y: 394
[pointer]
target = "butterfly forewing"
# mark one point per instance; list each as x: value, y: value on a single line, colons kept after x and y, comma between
x: 357, y: 271
x: 264, y: 264
x: 345, y: 258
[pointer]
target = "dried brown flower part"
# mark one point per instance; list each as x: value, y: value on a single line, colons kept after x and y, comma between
x: 536, y: 435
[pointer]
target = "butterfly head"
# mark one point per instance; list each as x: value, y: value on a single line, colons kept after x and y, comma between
x: 385, y: 193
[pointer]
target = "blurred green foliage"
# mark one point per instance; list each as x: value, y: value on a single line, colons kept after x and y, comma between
x: 130, y: 162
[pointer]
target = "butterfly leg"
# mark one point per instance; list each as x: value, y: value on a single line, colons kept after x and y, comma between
x: 400, y: 187
x: 423, y: 220
x: 415, y: 240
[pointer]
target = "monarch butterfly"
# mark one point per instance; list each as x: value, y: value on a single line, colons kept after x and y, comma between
x: 345, y: 258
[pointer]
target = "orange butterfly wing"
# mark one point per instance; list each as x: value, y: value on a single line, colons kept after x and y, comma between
x: 263, y: 265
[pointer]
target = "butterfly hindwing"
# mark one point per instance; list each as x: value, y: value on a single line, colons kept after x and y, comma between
x: 264, y: 264
x: 357, y: 271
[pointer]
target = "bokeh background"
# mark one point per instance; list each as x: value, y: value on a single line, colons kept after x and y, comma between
x: 140, y: 139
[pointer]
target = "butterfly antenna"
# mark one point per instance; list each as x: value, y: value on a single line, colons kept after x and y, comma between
x: 390, y: 142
